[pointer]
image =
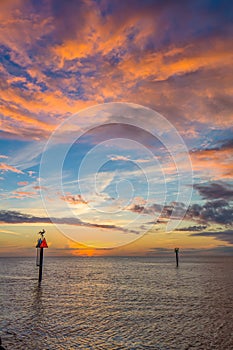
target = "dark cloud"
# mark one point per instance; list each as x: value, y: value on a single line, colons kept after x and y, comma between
x: 226, y: 236
x: 82, y: 248
x: 228, y: 144
x: 223, y: 250
x: 122, y: 130
x: 172, y: 22
x: 152, y: 209
x: 220, y: 104
x: 218, y: 211
x: 219, y: 146
x: 192, y: 228
x: 15, y: 217
x: 215, y: 190
x: 162, y: 250
x: 176, y: 21
x: 219, y: 250
x: 175, y: 209
x: 70, y: 17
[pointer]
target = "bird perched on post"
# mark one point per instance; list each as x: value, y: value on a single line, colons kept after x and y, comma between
x: 42, y: 232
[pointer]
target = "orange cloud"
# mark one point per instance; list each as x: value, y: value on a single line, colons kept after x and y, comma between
x: 6, y: 167
x: 71, y: 49
x: 218, y: 164
x: 39, y: 188
x: 22, y: 194
x: 22, y: 183
x: 17, y: 115
x: 26, y: 112
x: 119, y: 66
x: 182, y: 60
x: 77, y: 199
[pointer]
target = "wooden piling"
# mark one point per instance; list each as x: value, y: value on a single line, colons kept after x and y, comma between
x: 177, y: 256
x: 41, y: 264
x: 41, y: 244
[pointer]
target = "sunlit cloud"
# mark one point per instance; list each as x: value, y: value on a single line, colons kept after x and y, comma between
x: 6, y: 167
x: 75, y: 200
x: 220, y: 165
x: 22, y: 183
x: 226, y: 236
x: 215, y: 190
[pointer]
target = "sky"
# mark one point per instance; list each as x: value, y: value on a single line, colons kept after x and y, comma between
x: 116, y: 127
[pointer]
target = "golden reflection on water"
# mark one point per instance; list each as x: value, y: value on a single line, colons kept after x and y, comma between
x: 117, y: 303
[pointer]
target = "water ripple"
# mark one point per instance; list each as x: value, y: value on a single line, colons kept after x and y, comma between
x: 117, y: 303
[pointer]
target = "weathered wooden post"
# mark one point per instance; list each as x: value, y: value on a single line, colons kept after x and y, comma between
x: 41, y: 244
x: 177, y: 256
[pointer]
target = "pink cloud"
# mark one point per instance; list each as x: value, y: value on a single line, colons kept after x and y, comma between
x: 23, y: 194
x: 77, y: 199
x: 39, y: 188
x: 22, y: 183
x: 6, y: 167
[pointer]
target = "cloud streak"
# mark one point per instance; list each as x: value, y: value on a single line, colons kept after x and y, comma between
x: 192, y: 228
x: 15, y: 217
x: 214, y: 190
x: 76, y: 199
x: 226, y: 236
x: 219, y: 211
x: 6, y: 167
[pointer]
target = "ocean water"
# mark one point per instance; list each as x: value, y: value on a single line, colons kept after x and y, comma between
x: 117, y: 303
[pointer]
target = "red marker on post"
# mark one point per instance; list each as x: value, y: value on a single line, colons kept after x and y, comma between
x: 41, y: 244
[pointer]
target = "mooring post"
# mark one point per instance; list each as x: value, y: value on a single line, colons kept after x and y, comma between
x: 177, y: 256
x: 41, y: 244
x: 41, y: 264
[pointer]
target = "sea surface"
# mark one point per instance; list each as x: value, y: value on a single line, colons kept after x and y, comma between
x: 117, y: 303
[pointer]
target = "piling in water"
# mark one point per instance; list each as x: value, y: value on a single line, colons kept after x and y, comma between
x: 41, y: 244
x: 41, y: 264
x: 177, y: 256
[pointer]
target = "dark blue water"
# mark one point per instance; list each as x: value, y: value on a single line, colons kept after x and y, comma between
x: 117, y: 303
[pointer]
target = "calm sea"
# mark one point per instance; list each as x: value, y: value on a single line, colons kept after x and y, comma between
x: 117, y: 303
